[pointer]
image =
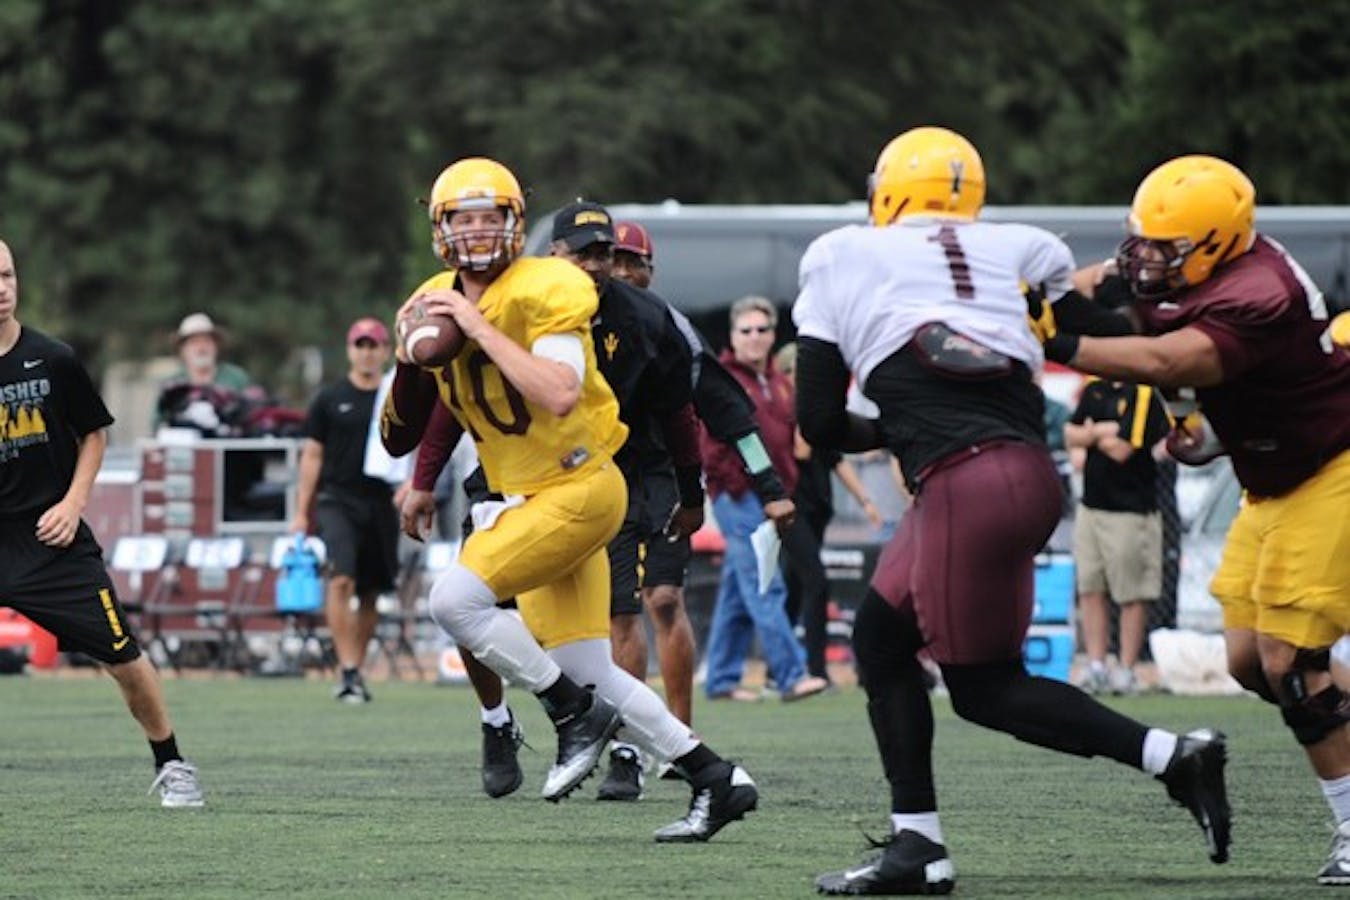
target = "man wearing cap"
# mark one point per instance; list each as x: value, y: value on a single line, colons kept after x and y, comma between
x: 354, y: 513
x: 200, y: 369
x: 632, y: 254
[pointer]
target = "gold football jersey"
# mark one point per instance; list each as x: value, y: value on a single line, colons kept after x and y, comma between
x: 523, y: 447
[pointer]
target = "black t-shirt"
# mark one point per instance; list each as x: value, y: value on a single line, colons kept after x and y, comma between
x: 647, y: 363
x: 926, y: 417
x: 47, y: 404
x: 339, y: 418
x: 1129, y: 486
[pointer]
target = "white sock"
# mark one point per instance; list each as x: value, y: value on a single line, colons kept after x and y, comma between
x: 646, y: 720
x: 926, y: 824
x: 622, y: 745
x: 466, y: 608
x: 1159, y: 746
x: 498, y: 716
x: 1097, y: 665
x: 1337, y: 792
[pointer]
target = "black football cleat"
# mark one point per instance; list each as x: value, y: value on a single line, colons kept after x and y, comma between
x: 1195, y: 780
x: 909, y: 864
x: 501, y: 769
x: 624, y: 782
x: 721, y: 796
x: 581, y: 740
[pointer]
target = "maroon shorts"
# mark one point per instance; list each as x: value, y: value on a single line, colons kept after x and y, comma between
x: 963, y: 558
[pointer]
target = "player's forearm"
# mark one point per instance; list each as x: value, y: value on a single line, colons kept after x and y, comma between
x: 1184, y: 358
x: 87, y: 463
x: 438, y: 443
x: 544, y: 382
x: 848, y: 476
x: 406, y: 409
x: 1078, y: 435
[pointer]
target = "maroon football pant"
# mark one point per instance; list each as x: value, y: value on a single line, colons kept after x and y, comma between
x: 963, y: 558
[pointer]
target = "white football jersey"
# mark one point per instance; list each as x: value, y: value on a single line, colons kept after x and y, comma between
x: 868, y: 289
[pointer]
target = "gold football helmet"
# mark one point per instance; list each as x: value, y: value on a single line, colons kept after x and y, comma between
x: 1190, y: 215
x: 925, y: 172
x: 472, y: 184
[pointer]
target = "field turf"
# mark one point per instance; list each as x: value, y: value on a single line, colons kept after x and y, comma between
x: 309, y: 798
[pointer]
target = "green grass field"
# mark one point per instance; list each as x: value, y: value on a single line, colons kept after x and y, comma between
x: 312, y: 799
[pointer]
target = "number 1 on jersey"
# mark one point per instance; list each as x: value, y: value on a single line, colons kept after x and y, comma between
x: 956, y: 261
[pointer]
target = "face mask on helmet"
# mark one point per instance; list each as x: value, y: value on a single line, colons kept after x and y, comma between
x: 477, y: 215
x: 1153, y: 268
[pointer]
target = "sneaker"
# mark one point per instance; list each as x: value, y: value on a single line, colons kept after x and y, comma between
x: 624, y: 782
x: 178, y: 785
x: 581, y: 739
x: 1122, y: 682
x: 1194, y: 779
x: 501, y: 769
x: 1337, y: 869
x: 909, y: 863
x: 1095, y: 680
x: 353, y: 692
x: 720, y: 798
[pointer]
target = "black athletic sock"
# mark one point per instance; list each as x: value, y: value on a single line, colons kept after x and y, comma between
x: 696, y: 762
x: 1043, y: 712
x: 351, y: 676
x: 165, y: 751
x: 885, y: 643
x: 564, y: 698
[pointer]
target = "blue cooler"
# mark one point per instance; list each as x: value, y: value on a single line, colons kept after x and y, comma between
x: 1048, y: 651
x: 299, y: 587
x: 1054, y: 589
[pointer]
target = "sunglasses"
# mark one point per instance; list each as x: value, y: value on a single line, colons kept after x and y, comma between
x: 754, y: 329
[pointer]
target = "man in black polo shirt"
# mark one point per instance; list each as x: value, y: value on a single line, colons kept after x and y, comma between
x: 1117, y: 530
x: 355, y: 513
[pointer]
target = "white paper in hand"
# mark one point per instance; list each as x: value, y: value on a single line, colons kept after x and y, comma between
x: 766, y: 542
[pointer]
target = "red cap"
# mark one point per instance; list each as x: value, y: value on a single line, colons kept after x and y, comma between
x: 634, y: 238
x: 368, y: 328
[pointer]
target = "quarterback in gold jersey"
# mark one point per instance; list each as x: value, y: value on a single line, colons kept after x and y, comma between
x: 525, y: 386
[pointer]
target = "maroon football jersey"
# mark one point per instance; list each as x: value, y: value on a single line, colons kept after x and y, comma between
x: 1283, y: 409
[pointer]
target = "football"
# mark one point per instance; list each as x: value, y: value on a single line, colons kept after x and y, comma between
x: 429, y: 340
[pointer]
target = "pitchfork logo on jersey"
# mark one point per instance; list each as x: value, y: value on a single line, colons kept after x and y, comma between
x: 611, y: 345
x: 21, y: 421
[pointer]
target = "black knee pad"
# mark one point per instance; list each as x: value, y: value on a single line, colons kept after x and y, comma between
x: 1312, y: 717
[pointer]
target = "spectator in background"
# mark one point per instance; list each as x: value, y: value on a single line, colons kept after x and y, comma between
x: 355, y: 513
x: 201, y: 378
x: 808, y: 588
x: 633, y: 254
x: 742, y: 611
x: 1117, y: 538
x: 52, y: 437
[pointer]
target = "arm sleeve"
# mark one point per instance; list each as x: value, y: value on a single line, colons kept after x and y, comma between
x: 822, y: 396
x: 404, y: 415
x: 316, y: 419
x: 721, y: 402
x: 1076, y: 314
x: 438, y: 443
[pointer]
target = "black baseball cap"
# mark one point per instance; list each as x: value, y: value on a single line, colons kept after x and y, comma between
x: 583, y: 223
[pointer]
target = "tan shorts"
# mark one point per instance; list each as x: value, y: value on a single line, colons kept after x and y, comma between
x: 1118, y: 553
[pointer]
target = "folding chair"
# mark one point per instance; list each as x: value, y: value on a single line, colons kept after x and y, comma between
x: 195, y: 609
x: 399, y: 621
x: 136, y: 560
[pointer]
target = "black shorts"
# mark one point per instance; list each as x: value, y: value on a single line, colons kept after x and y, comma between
x: 360, y: 534
x: 641, y: 555
x: 65, y: 590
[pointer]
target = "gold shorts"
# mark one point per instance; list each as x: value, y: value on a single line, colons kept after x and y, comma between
x: 549, y: 553
x: 1286, y: 563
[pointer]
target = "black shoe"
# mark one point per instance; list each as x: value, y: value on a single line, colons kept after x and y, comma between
x: 581, y: 740
x: 352, y: 692
x: 624, y: 782
x: 1194, y: 779
x: 720, y: 797
x: 501, y: 769
x: 909, y: 863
